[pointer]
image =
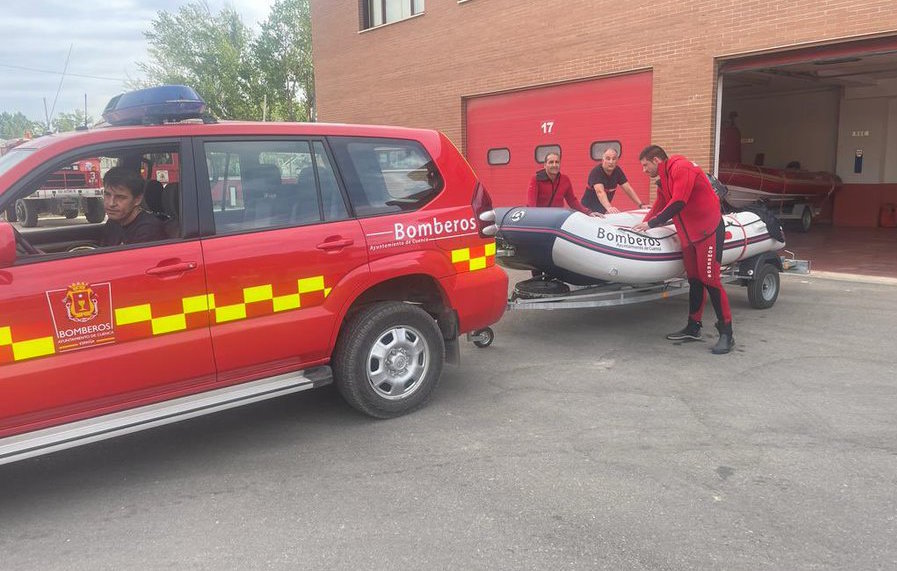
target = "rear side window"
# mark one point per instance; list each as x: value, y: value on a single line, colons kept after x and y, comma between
x: 332, y: 201
x: 386, y: 175
x: 258, y: 185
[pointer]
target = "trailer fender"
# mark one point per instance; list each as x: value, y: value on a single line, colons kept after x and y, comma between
x: 748, y: 268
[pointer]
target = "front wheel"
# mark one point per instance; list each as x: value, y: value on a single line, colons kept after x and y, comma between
x: 763, y: 290
x: 388, y: 359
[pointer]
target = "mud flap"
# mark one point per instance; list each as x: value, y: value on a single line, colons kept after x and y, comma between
x: 448, y: 325
x: 452, y: 351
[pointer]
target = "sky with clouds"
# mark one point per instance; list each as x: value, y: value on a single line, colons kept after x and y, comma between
x: 106, y: 41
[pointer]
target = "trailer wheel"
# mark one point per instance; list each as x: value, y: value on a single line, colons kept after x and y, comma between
x: 763, y: 290
x: 26, y: 213
x: 483, y: 337
x: 94, y: 211
x: 806, y: 219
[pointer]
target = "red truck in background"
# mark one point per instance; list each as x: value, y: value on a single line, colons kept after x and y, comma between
x: 67, y: 192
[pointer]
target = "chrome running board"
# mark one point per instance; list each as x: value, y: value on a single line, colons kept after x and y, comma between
x: 21, y: 446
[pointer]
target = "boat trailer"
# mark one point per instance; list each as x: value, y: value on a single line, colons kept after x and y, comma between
x: 759, y: 274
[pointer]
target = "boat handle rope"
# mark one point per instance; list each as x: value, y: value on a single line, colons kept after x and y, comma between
x: 744, y: 240
x: 631, y: 231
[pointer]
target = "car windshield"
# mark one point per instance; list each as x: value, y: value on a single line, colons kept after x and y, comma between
x: 12, y: 158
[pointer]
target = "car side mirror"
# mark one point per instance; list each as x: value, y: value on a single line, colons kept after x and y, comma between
x: 7, y: 245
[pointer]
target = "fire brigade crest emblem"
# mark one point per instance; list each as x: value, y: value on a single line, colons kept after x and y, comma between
x: 81, y: 302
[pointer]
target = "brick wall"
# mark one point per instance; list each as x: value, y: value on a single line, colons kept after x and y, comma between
x: 416, y: 72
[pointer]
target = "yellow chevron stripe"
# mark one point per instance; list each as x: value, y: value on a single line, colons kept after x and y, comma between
x: 33, y: 348
x: 133, y: 314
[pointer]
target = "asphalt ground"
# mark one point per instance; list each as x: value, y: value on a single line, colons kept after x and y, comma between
x: 581, y: 439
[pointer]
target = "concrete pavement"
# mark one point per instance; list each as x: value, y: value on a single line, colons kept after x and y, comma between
x: 579, y: 440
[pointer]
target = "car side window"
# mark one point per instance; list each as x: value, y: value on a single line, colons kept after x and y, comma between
x: 261, y: 184
x: 331, y: 199
x: 72, y: 191
x: 386, y: 175
x: 62, y: 208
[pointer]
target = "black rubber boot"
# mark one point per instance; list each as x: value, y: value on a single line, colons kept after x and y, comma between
x: 726, y: 341
x: 691, y: 332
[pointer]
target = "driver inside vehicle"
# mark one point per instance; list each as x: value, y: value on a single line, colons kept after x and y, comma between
x: 128, y: 222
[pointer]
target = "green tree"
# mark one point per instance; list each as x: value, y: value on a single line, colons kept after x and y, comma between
x: 282, y: 53
x: 14, y: 125
x: 71, y: 121
x: 209, y: 52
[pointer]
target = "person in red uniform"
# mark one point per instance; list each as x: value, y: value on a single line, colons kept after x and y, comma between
x: 549, y: 187
x: 684, y: 195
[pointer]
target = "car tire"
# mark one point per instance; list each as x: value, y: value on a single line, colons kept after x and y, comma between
x: 388, y: 359
x: 11, y: 214
x: 806, y: 219
x: 26, y: 213
x: 763, y: 290
x: 69, y: 214
x: 94, y: 211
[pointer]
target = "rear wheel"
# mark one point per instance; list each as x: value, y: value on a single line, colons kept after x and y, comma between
x: 806, y: 219
x: 388, y: 359
x: 93, y: 210
x: 26, y: 213
x: 763, y: 290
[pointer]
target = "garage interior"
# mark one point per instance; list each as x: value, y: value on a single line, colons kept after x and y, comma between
x: 833, y: 109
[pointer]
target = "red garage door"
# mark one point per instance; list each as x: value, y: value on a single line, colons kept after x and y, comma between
x: 505, y: 132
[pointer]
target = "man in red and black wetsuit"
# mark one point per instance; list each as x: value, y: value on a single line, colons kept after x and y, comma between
x: 684, y: 195
x: 549, y: 187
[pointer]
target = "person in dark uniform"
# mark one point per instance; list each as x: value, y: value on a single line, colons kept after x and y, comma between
x: 603, y: 182
x: 686, y: 197
x: 128, y: 222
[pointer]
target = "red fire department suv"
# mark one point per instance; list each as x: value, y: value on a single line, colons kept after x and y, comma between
x: 293, y: 254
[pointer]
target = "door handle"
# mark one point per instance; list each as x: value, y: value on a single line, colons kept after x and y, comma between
x: 171, y: 269
x: 335, y: 244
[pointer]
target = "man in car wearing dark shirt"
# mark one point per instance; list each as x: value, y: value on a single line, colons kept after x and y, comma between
x: 603, y: 182
x: 128, y: 223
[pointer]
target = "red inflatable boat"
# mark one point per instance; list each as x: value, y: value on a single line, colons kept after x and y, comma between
x: 777, y: 187
x: 750, y: 183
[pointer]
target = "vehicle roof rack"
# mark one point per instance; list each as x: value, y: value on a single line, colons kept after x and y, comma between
x: 156, y: 106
